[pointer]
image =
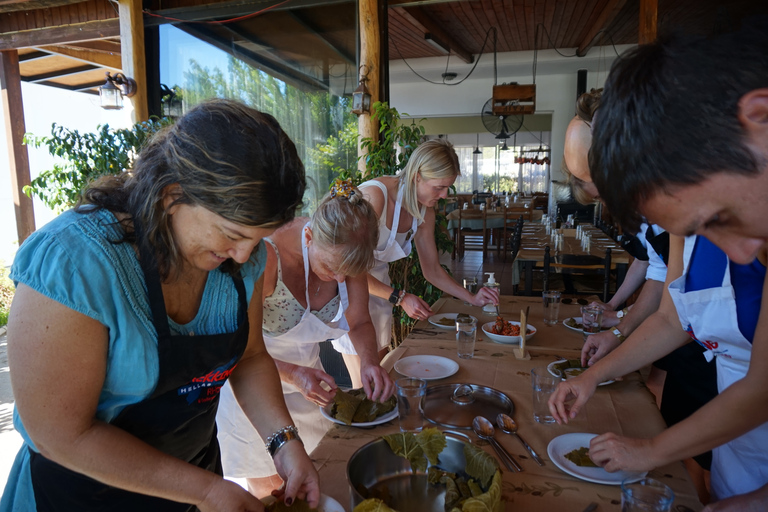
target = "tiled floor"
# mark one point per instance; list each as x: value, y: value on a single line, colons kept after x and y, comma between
x: 474, y: 265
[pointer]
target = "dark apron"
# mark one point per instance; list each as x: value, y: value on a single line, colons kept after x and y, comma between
x: 179, y: 418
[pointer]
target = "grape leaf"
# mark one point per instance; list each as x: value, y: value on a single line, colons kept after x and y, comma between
x: 372, y: 505
x: 432, y: 442
x: 490, y: 501
x: 344, y: 406
x: 480, y: 465
x: 405, y: 445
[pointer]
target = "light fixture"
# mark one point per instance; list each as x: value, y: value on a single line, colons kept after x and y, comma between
x: 504, y: 147
x: 170, y: 100
x: 361, y: 98
x: 114, y: 89
x: 477, y: 150
x: 439, y: 45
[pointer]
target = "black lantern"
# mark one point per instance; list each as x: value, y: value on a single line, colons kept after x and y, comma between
x: 361, y: 98
x: 114, y: 89
x: 170, y: 101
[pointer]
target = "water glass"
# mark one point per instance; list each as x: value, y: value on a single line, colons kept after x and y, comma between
x: 470, y: 284
x: 409, y: 394
x: 551, y: 300
x: 466, y: 335
x: 543, y: 384
x: 591, y: 320
x: 645, y: 495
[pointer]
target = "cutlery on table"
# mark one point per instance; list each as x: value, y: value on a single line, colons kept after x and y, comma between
x: 508, y: 426
x: 484, y: 430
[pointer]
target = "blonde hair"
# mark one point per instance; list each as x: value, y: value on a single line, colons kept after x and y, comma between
x: 433, y: 160
x: 348, y: 226
x: 577, y: 187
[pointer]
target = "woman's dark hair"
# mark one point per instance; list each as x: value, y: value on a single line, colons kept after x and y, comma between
x: 668, y: 116
x: 226, y: 157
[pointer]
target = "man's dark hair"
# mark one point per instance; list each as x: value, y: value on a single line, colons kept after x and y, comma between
x: 668, y: 116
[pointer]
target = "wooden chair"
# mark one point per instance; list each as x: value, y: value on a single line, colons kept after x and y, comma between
x: 471, y: 238
x: 513, y: 224
x: 583, y: 265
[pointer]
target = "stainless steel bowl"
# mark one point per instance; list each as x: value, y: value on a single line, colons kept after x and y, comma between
x: 375, y: 466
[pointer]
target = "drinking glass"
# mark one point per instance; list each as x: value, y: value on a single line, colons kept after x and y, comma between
x: 470, y: 284
x: 466, y: 335
x: 543, y: 385
x: 409, y: 394
x: 551, y: 300
x: 645, y: 495
x: 591, y: 320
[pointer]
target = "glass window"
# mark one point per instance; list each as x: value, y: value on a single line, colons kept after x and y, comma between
x: 296, y: 72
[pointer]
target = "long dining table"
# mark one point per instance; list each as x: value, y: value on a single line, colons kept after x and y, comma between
x: 626, y: 407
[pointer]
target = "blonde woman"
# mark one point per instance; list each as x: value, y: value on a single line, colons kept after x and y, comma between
x: 405, y: 205
x: 315, y: 289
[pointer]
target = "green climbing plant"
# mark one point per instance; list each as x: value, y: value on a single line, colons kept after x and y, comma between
x: 83, y: 157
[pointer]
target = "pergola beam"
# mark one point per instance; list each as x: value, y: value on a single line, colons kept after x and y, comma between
x: 99, y: 57
x: 647, y: 21
x: 85, y: 31
x: 134, y: 63
x: 13, y: 107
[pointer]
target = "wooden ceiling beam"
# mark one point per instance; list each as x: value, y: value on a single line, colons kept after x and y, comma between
x: 606, y: 17
x: 75, y: 32
x: 647, y: 21
x: 229, y: 9
x: 43, y: 77
x: 36, y: 55
x: 420, y: 18
x: 98, y: 57
x: 349, y: 59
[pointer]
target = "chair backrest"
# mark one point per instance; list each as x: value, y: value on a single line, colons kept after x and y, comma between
x: 603, y: 264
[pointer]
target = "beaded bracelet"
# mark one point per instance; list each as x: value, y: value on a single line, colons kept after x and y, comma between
x: 279, y: 438
x: 400, y: 299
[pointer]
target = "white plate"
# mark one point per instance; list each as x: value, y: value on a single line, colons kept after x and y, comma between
x: 551, y: 369
x: 326, y: 503
x: 450, y: 316
x: 326, y: 411
x: 426, y: 367
x: 578, y: 321
x: 566, y: 443
x: 507, y: 340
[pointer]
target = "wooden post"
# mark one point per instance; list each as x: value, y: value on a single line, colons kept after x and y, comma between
x: 647, y: 21
x: 133, y: 57
x: 10, y: 82
x: 370, y: 60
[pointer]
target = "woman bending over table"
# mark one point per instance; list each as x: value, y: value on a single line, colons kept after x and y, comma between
x: 405, y: 205
x: 133, y: 309
x: 315, y: 289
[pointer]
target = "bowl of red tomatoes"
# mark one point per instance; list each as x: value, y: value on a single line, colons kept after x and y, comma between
x: 508, y: 333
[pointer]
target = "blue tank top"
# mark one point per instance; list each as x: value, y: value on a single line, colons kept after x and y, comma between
x: 747, y: 281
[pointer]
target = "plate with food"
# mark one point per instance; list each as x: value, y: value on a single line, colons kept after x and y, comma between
x: 326, y: 504
x: 502, y: 331
x: 426, y: 367
x: 354, y: 409
x: 569, y: 368
x: 447, y: 320
x: 574, y: 323
x: 570, y: 453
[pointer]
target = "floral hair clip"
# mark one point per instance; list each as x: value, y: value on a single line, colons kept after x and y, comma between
x: 343, y: 188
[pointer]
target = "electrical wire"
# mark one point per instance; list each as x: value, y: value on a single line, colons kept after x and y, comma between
x: 480, y: 55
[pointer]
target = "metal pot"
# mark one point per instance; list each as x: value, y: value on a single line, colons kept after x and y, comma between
x: 377, y: 468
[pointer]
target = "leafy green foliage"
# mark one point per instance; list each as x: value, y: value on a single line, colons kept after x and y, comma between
x: 6, y: 295
x: 85, y: 157
x: 387, y: 155
x: 480, y: 465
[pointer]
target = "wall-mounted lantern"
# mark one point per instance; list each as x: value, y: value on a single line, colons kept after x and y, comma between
x: 361, y: 98
x: 114, y: 89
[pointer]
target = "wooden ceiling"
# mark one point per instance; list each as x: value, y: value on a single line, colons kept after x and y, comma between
x: 71, y: 44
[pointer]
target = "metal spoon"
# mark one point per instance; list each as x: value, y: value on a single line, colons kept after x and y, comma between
x: 508, y: 426
x: 484, y: 430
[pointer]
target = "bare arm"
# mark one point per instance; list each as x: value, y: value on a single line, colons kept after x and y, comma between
x: 58, y: 358
x: 632, y: 281
x: 377, y: 384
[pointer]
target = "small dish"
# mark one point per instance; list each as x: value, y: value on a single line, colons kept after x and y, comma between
x: 566, y: 443
x: 551, y: 368
x: 426, y: 367
x: 445, y: 318
x: 568, y: 322
x: 507, y: 340
x: 326, y: 412
x: 326, y: 503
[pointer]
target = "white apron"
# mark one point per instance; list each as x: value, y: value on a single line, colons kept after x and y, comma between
x: 242, y: 449
x: 393, y: 250
x: 709, y: 316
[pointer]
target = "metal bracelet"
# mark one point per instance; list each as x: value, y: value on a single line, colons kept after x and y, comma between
x: 400, y: 299
x: 618, y: 334
x: 279, y: 438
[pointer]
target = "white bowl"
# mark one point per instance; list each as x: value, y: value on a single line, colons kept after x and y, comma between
x: 508, y: 340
